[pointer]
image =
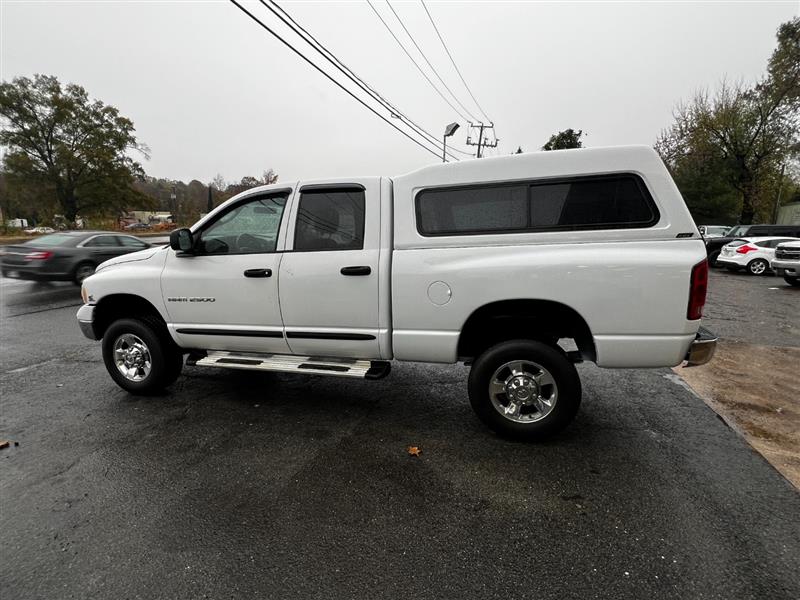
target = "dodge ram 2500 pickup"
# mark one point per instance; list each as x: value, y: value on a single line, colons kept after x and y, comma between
x: 500, y: 263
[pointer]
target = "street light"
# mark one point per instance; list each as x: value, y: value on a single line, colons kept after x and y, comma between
x: 448, y: 131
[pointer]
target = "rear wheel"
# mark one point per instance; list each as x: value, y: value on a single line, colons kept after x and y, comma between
x: 82, y: 271
x: 712, y: 258
x: 140, y: 356
x: 795, y: 281
x: 757, y: 266
x: 524, y: 389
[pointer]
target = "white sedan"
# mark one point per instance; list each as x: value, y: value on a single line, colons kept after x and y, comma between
x: 753, y: 253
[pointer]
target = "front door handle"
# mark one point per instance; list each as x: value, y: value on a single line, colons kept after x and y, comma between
x: 355, y: 271
x: 258, y: 273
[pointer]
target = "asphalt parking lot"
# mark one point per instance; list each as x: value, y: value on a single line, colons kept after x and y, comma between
x: 237, y: 485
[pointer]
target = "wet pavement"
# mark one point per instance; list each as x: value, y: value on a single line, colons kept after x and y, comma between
x: 754, y: 379
x: 236, y: 484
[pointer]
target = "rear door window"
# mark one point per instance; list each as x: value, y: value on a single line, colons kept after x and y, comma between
x: 131, y: 242
x: 102, y: 241
x: 330, y: 219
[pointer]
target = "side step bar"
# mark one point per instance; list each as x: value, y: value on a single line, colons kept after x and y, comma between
x: 313, y: 365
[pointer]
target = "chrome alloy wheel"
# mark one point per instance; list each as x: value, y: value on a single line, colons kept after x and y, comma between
x: 523, y: 391
x: 758, y: 267
x: 132, y: 357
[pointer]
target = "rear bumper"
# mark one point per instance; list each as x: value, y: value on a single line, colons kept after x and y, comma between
x: 33, y: 274
x: 725, y: 261
x: 702, y: 349
x: 86, y: 321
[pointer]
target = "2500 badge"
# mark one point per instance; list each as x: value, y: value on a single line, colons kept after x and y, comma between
x: 190, y: 299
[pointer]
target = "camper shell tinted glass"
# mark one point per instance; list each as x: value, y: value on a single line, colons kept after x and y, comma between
x: 564, y: 204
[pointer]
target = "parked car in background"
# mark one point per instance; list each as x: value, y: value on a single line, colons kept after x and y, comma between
x: 35, y: 230
x: 714, y: 245
x: 753, y: 254
x: 712, y: 231
x: 137, y: 227
x: 786, y: 263
x: 66, y: 255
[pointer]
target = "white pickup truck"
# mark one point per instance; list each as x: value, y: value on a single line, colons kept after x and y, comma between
x: 497, y: 262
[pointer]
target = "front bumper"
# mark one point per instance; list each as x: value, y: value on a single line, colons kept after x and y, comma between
x: 702, y: 349
x: 86, y: 321
x: 785, y: 267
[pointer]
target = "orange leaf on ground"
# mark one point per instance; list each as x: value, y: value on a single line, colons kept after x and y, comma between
x: 414, y: 450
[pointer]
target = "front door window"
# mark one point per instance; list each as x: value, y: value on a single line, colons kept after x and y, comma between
x: 250, y: 228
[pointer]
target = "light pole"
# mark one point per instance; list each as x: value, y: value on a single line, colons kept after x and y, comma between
x: 448, y: 131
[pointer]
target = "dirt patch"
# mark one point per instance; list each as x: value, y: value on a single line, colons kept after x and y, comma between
x: 756, y: 389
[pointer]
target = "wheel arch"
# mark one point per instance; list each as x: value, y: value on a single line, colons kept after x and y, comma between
x: 117, y: 306
x: 543, y: 320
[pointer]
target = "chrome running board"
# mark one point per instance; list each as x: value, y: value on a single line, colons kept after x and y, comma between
x: 287, y: 363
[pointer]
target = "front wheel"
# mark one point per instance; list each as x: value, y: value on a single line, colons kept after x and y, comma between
x: 795, y: 281
x: 524, y: 389
x: 757, y: 266
x: 139, y: 356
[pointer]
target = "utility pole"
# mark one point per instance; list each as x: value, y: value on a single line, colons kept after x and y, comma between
x: 482, y: 143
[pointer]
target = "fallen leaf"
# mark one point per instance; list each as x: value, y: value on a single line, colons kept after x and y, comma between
x: 413, y: 450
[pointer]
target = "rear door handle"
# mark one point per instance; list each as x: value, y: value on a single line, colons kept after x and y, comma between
x: 356, y: 271
x: 258, y: 273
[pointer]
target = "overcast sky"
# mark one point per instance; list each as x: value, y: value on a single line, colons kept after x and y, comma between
x: 210, y: 92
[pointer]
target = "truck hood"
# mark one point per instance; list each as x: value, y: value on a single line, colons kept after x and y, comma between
x: 792, y: 245
x: 145, y: 254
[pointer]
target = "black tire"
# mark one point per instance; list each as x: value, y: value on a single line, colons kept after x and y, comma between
x: 758, y: 266
x: 795, y: 281
x: 567, y: 385
x: 712, y: 258
x: 166, y: 359
x: 82, y: 271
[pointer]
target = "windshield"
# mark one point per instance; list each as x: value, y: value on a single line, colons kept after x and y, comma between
x: 55, y: 239
x: 716, y: 230
x: 736, y: 243
x: 738, y: 230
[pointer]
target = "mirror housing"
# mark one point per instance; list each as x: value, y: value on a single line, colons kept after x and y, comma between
x: 181, y: 240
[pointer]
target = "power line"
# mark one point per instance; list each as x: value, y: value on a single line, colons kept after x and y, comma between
x: 452, y: 60
x: 435, y: 72
x: 309, y: 38
x: 310, y: 62
x: 416, y: 64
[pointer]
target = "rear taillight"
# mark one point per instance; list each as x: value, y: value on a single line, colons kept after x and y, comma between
x: 38, y: 255
x: 697, y: 291
x: 745, y: 249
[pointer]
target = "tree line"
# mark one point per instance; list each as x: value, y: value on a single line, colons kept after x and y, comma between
x: 733, y: 151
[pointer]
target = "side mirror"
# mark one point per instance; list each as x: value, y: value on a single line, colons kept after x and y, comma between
x: 181, y: 240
